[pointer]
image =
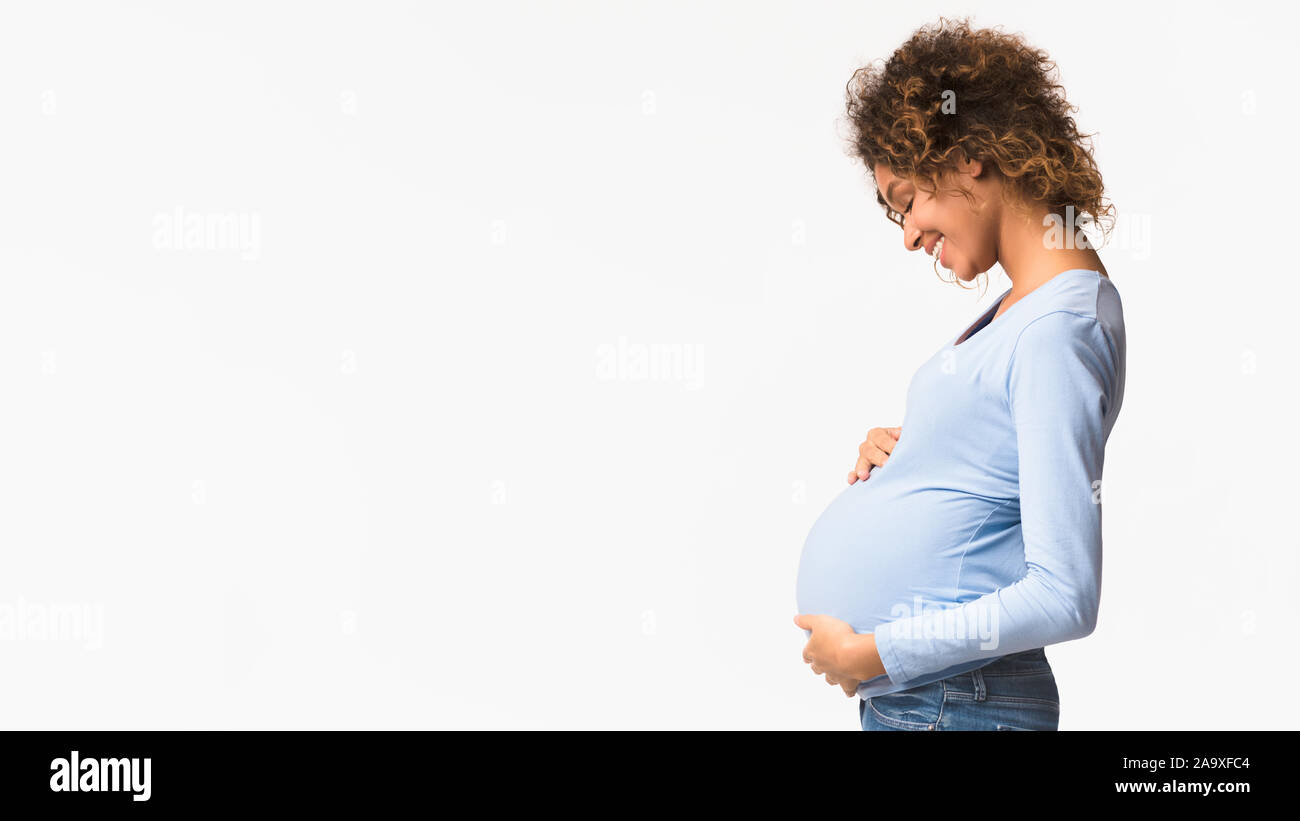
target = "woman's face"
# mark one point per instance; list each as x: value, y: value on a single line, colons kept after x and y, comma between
x: 970, y: 233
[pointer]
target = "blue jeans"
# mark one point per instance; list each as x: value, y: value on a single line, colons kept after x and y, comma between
x: 1015, y: 692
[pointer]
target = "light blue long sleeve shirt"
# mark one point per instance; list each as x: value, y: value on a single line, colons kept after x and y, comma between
x: 981, y: 535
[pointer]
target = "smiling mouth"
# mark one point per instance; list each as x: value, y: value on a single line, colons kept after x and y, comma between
x: 937, y: 253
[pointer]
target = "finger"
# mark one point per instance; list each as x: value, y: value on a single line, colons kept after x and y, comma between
x: 882, y: 441
x: 870, y: 453
x: 872, y: 449
x: 896, y: 432
x: 853, y: 476
x: 863, y: 469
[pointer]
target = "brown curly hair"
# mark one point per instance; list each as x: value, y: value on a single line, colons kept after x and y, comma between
x: 1009, y: 111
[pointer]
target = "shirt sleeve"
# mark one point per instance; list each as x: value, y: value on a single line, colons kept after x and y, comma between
x: 1060, y: 384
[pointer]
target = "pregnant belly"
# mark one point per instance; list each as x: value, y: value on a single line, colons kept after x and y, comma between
x: 881, y: 544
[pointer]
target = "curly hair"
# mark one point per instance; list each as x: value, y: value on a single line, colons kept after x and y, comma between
x: 951, y: 92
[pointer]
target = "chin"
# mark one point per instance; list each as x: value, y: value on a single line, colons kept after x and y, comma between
x: 960, y: 273
x: 965, y: 274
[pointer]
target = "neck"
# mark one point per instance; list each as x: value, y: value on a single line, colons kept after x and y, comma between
x: 1026, y: 255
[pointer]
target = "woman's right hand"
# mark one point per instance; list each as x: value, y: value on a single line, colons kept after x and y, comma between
x: 874, y: 451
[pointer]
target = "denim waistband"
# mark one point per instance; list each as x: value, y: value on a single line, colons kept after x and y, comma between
x: 1027, y: 661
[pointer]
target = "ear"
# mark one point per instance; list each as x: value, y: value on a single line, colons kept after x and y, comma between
x: 974, y: 168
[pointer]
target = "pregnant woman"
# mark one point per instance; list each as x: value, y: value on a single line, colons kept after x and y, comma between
x: 969, y: 537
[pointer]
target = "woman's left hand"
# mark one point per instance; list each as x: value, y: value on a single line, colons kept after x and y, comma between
x: 837, y: 652
x: 848, y: 685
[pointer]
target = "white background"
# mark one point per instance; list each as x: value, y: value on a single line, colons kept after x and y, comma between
x: 372, y: 473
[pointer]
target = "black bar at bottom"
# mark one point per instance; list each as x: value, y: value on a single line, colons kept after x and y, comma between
x: 570, y: 770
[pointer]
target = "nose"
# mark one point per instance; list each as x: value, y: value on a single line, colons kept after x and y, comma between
x: 912, y: 238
